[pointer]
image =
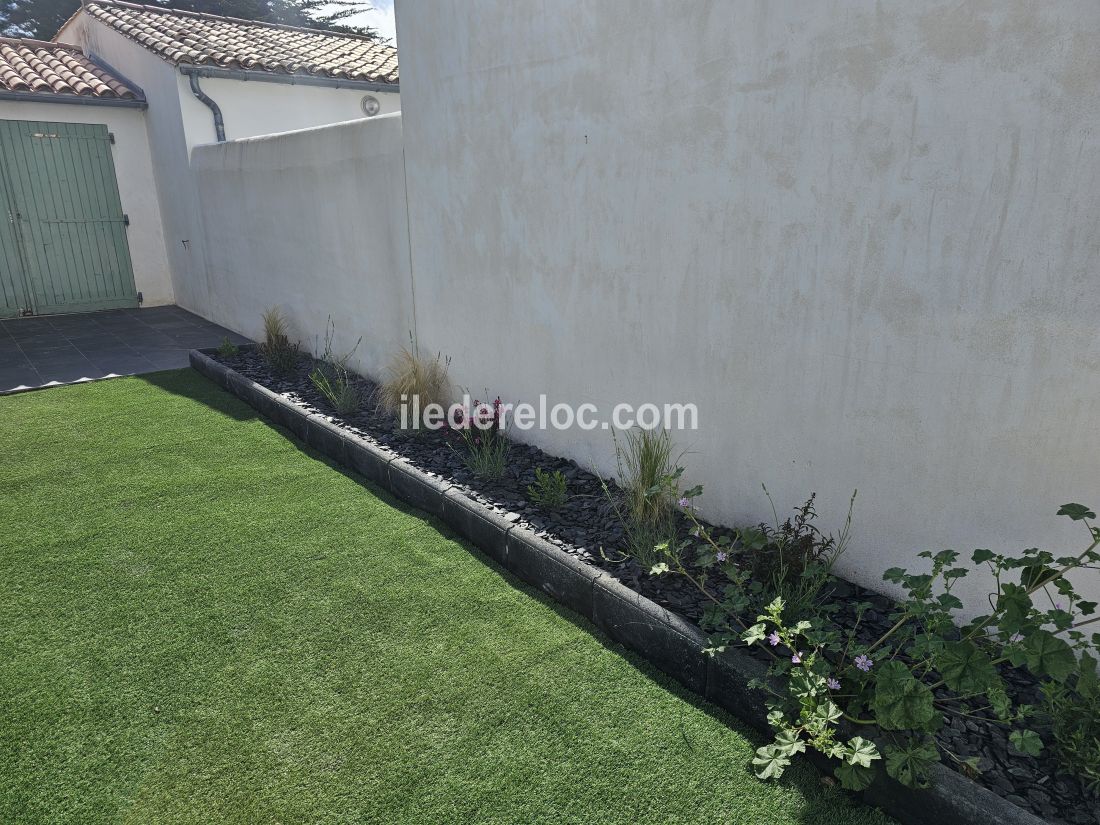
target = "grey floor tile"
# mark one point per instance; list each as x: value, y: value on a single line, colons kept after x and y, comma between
x: 100, y: 357
x: 64, y: 348
x: 100, y: 343
x: 124, y: 366
x: 170, y: 360
x: 11, y: 379
x: 72, y: 371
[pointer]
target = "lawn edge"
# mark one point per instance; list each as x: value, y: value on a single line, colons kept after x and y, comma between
x: 668, y: 641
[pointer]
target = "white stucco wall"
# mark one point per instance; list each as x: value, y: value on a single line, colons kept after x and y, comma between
x: 313, y: 222
x: 250, y: 108
x: 860, y: 236
x: 168, y: 146
x: 177, y: 122
x: 134, y: 173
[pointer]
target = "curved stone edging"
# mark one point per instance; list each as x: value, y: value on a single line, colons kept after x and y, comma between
x: 668, y: 641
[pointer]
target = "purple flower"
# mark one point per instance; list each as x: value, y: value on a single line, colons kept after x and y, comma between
x: 864, y: 663
x: 773, y: 638
x: 832, y: 683
x: 796, y: 657
x: 721, y: 555
x: 684, y: 502
x: 1057, y: 605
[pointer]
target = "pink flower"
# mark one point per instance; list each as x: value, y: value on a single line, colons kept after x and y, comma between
x: 796, y: 657
x: 832, y: 683
x: 721, y: 555
x: 864, y: 663
x: 684, y: 502
x: 773, y: 638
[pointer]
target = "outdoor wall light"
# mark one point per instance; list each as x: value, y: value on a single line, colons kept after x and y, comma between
x: 370, y: 105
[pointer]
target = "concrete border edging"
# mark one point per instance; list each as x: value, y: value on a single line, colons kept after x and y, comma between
x: 668, y: 641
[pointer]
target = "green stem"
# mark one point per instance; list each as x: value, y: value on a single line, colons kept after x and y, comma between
x: 855, y: 721
x: 897, y: 626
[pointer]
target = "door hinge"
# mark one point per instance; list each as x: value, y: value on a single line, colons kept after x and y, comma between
x: 125, y: 219
x: 141, y: 299
x: 111, y: 137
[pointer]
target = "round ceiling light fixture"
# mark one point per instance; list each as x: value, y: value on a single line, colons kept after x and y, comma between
x: 370, y: 105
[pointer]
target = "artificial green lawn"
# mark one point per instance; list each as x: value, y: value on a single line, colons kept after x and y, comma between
x: 202, y: 621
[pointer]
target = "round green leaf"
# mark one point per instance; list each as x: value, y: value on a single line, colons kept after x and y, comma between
x: 965, y: 668
x: 1047, y: 655
x: 901, y: 701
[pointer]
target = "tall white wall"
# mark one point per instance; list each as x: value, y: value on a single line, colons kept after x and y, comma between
x: 134, y: 173
x: 312, y: 222
x: 860, y: 236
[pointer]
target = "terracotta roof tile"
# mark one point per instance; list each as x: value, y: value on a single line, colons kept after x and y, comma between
x: 35, y: 67
x: 230, y: 43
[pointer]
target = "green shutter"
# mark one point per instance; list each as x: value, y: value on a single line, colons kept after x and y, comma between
x: 66, y: 229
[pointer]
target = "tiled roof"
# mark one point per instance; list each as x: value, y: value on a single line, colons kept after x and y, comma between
x: 36, y: 68
x: 226, y: 42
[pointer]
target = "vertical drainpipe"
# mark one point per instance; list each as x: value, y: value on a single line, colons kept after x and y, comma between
x: 193, y: 76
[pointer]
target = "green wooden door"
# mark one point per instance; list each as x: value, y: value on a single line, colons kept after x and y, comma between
x: 65, y: 246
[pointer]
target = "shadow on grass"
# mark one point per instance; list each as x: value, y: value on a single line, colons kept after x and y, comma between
x: 803, y: 778
x: 187, y: 383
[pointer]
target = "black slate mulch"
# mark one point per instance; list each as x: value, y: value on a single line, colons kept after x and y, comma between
x: 587, y: 527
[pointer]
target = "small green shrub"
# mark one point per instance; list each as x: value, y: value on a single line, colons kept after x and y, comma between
x: 486, y: 448
x: 549, y: 489
x: 1074, y: 714
x: 829, y: 672
x: 227, y: 348
x: 413, y: 383
x: 279, y: 353
x: 793, y: 559
x: 332, y: 378
x: 648, y: 476
x: 647, y: 470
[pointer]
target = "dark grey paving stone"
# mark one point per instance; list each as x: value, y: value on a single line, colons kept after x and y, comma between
x: 64, y: 348
x: 36, y: 336
x: 43, y: 343
x: 101, y: 356
x: 155, y: 312
x: 124, y: 327
x: 27, y: 326
x: 54, y: 358
x: 174, y: 327
x: 13, y: 359
x: 199, y: 343
x: 64, y: 322
x: 73, y: 371
x: 127, y: 365
x: 26, y: 376
x: 169, y: 360
x: 101, y: 343
x: 144, y: 342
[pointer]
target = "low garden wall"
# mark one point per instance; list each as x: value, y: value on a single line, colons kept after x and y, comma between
x: 314, y: 222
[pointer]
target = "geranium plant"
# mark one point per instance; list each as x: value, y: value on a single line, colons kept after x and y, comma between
x: 828, y: 680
